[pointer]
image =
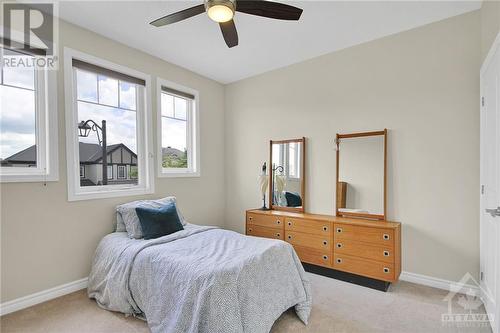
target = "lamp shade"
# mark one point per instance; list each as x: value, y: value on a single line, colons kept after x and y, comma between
x: 83, y: 129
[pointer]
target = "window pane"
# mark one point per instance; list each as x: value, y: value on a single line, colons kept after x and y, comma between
x: 121, y: 140
x: 110, y: 172
x: 17, y: 127
x: 127, y: 95
x: 122, y: 172
x: 292, y: 160
x: 174, y: 143
x: 86, y: 86
x: 22, y: 76
x: 167, y: 105
x: 108, y: 91
x: 180, y: 108
x: 276, y: 158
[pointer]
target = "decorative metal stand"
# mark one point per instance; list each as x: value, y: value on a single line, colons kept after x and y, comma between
x: 263, y: 174
x: 84, y: 130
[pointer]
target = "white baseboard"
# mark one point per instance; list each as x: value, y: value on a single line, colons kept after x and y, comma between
x: 42, y: 296
x: 437, y: 282
x: 47, y: 295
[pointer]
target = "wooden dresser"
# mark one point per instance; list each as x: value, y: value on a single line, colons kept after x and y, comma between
x: 365, y: 248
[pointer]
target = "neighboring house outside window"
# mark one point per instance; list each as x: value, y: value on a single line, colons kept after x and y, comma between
x: 178, y: 131
x: 91, y: 162
x: 28, y: 114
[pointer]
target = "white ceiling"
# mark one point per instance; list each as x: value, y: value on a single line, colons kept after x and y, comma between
x: 264, y: 44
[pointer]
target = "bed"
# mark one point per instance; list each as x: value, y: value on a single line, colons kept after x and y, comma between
x: 200, y: 279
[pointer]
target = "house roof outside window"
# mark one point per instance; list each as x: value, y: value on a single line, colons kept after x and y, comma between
x: 90, y: 153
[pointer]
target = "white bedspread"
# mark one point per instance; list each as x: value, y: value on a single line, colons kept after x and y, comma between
x: 201, y: 279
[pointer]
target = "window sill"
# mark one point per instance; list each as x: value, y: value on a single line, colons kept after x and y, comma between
x: 111, y: 193
x: 178, y: 174
x: 17, y: 178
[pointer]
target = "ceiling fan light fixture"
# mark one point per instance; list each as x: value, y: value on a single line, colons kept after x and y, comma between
x: 220, y: 10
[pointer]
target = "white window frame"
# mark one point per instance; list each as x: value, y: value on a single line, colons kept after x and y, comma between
x: 82, y: 174
x: 46, y: 131
x: 193, y: 133
x: 145, y: 156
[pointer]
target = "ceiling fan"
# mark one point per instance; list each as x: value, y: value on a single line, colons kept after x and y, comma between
x: 222, y: 12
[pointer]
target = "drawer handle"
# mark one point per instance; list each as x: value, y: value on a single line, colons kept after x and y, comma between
x: 325, y: 242
x: 386, y: 270
x: 325, y: 228
x: 278, y: 222
x: 386, y: 253
x: 278, y: 234
x: 339, y: 261
x: 325, y: 257
x: 386, y: 237
x: 339, y: 245
x: 250, y: 229
x: 289, y: 237
x: 289, y: 223
x: 250, y: 218
x: 339, y: 230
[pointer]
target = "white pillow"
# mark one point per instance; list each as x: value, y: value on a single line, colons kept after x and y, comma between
x: 120, y: 225
x: 126, y: 213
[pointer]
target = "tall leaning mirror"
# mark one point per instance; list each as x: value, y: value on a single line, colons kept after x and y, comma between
x: 361, y: 175
x: 287, y: 171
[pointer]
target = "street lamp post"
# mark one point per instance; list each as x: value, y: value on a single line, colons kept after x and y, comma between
x: 84, y: 130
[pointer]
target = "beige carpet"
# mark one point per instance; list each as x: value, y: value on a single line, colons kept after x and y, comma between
x: 337, y: 307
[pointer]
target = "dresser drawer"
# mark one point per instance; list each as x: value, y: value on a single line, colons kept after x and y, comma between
x: 265, y: 220
x: 313, y: 256
x: 322, y: 243
x: 309, y: 226
x: 364, y: 250
x: 365, y: 267
x: 379, y: 236
x: 255, y: 230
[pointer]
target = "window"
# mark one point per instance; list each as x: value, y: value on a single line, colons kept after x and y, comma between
x: 288, y: 156
x: 178, y: 131
x: 82, y: 171
x: 122, y: 172
x: 107, y: 124
x: 28, y: 120
x: 110, y: 172
x: 294, y: 160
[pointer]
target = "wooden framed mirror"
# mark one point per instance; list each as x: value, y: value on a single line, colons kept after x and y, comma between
x: 287, y: 175
x: 362, y: 175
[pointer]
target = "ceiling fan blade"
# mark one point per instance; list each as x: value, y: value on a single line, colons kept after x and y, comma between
x: 179, y: 16
x: 229, y: 32
x: 269, y: 9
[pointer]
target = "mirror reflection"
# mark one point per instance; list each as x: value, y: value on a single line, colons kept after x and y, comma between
x: 360, y: 187
x: 287, y: 173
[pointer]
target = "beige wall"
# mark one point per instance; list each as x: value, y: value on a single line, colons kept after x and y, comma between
x: 490, y: 24
x: 423, y: 85
x: 47, y: 241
